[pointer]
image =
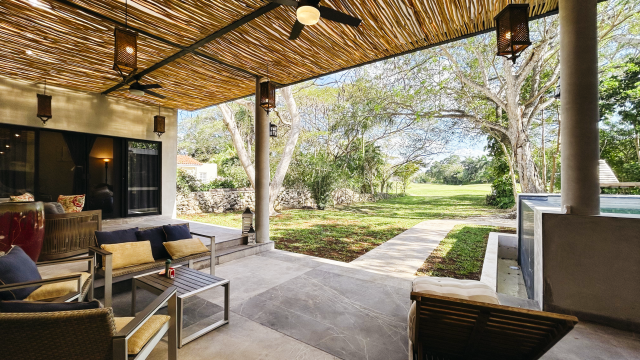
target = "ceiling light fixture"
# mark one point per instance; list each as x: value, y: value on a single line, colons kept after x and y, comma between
x: 512, y: 27
x: 158, y: 124
x: 308, y: 13
x: 125, y: 55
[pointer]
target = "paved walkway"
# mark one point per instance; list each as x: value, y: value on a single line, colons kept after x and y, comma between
x: 404, y: 254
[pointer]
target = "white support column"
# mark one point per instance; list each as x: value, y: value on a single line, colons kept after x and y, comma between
x: 263, y: 176
x: 580, y: 114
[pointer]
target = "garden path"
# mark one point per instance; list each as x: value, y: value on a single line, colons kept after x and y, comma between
x: 403, y: 255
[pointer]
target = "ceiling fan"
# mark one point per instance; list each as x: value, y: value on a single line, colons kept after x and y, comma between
x: 138, y: 89
x: 309, y: 12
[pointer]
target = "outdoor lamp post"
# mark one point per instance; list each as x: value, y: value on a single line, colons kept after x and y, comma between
x: 512, y: 26
x: 247, y: 220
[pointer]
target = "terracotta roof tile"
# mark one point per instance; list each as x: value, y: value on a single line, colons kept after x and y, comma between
x: 188, y: 160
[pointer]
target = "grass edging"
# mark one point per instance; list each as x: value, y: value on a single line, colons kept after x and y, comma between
x: 460, y: 254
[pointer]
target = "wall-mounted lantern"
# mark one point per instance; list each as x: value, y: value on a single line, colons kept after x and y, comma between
x: 44, y: 105
x: 512, y: 26
x: 158, y: 124
x: 273, y: 130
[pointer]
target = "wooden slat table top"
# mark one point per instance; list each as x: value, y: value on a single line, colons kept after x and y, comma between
x: 187, y: 280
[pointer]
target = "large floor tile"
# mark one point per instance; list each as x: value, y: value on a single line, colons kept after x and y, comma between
x: 347, y: 317
x: 243, y: 339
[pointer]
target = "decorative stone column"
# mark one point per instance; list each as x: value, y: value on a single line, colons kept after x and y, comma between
x: 579, y: 83
x: 263, y: 176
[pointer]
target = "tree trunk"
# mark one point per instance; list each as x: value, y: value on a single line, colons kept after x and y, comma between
x: 512, y: 174
x: 555, y: 160
x: 530, y: 181
x: 290, y: 146
x: 637, y: 142
x: 544, y: 159
x: 229, y: 119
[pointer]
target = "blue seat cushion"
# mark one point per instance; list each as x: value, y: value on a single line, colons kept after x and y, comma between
x: 41, y: 306
x: 17, y: 267
x: 116, y: 237
x: 177, y: 232
x: 156, y: 236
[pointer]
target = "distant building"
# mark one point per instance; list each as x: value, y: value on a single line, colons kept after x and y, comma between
x: 202, y: 172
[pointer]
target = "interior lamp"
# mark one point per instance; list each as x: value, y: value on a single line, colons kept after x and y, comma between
x: 512, y: 27
x: 307, y: 13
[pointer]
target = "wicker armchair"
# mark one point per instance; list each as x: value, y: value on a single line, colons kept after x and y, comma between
x: 85, y: 334
x: 84, y: 290
x: 71, y: 234
x: 107, y: 276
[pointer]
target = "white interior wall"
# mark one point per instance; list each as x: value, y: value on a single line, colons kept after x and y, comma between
x: 95, y: 114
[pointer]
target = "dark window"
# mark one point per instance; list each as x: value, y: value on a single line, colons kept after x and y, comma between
x: 143, y: 178
x: 17, y: 161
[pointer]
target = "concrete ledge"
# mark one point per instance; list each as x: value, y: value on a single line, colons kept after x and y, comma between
x: 489, y: 274
x: 234, y: 253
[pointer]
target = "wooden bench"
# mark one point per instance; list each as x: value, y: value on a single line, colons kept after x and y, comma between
x: 449, y: 328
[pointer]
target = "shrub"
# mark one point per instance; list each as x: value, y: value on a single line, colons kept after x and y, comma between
x: 502, y: 193
x: 186, y: 183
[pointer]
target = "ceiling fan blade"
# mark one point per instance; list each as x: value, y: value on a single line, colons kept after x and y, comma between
x: 286, y: 2
x: 296, y: 30
x: 154, y: 94
x: 150, y: 86
x: 337, y: 16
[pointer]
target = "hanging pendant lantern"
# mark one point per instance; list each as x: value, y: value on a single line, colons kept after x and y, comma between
x: 125, y: 57
x: 44, y: 105
x: 273, y: 129
x: 267, y: 95
x: 512, y: 26
x: 158, y: 124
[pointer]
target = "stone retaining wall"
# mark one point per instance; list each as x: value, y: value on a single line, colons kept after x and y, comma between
x: 220, y: 200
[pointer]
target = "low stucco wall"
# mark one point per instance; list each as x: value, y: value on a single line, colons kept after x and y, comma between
x: 95, y: 114
x: 591, y: 268
x: 221, y: 200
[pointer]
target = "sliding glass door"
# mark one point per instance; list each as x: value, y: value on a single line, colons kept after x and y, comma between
x: 143, y: 178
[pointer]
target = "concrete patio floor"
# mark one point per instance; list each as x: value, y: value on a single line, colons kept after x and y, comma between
x: 292, y: 306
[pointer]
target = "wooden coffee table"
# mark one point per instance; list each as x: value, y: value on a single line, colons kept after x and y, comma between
x: 189, y: 283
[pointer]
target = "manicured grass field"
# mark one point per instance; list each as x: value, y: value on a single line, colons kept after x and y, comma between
x: 345, y: 233
x: 461, y: 253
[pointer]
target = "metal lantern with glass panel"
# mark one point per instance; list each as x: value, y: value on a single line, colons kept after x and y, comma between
x: 273, y: 130
x: 247, y: 220
x: 44, y: 105
x: 512, y: 26
x: 125, y: 57
x: 158, y: 124
x: 267, y: 95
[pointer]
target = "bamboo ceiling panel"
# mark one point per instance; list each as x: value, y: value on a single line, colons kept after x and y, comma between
x: 46, y: 39
x: 388, y: 27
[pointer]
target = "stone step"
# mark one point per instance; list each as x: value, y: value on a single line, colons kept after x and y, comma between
x: 233, y: 253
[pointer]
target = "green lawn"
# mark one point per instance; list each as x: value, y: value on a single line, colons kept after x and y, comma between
x: 461, y: 253
x: 347, y: 232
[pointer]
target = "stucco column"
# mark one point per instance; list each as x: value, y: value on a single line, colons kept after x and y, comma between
x: 262, y: 170
x: 579, y: 83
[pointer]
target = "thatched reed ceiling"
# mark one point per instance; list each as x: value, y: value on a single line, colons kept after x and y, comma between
x: 73, y: 48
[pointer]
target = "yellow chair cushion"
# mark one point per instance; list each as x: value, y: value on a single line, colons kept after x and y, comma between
x: 140, y: 338
x: 460, y: 289
x: 181, y: 248
x: 129, y: 253
x: 55, y: 290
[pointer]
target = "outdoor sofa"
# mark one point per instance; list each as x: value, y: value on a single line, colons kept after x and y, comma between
x: 453, y: 319
x: 106, y: 275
